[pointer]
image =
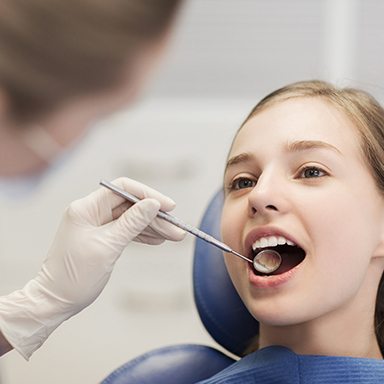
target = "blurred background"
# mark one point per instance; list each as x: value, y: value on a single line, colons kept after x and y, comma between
x: 223, y: 57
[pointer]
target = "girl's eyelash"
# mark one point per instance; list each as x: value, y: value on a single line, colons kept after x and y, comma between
x: 313, y: 172
x: 235, y: 184
x: 306, y: 172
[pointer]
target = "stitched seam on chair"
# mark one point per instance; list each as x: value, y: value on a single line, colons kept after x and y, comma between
x: 299, y: 370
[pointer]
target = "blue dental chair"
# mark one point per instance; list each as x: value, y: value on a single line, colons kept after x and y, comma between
x: 221, y: 311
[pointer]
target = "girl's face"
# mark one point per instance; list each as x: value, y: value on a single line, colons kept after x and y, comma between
x: 296, y: 177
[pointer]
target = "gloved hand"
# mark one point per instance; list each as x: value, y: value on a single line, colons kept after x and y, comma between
x: 92, y: 234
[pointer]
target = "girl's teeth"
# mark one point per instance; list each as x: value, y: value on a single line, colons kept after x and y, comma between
x: 264, y: 242
x: 271, y: 241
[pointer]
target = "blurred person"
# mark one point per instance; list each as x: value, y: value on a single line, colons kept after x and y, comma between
x: 65, y: 64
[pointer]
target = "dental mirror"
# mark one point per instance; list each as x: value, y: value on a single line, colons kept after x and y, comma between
x: 267, y: 261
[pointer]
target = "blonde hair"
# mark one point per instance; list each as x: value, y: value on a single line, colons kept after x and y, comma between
x: 58, y: 49
x: 368, y: 117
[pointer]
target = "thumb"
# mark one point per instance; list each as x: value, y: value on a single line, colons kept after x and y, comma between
x: 135, y: 219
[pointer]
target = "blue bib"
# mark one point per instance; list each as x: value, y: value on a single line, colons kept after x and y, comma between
x: 279, y: 365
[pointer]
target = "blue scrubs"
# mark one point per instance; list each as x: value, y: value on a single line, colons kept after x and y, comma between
x: 279, y: 365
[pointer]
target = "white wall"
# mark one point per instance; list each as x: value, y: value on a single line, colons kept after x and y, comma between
x: 223, y: 57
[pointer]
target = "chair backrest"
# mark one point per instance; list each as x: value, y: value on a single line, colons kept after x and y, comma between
x: 220, y: 308
x: 176, y: 364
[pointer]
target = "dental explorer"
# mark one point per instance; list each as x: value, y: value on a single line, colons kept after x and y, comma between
x: 261, y: 262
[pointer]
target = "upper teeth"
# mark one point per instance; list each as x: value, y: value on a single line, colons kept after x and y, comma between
x: 271, y: 241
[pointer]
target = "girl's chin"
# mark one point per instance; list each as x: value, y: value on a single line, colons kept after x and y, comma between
x: 284, y: 317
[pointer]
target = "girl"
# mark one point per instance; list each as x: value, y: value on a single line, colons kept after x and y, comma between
x: 305, y: 177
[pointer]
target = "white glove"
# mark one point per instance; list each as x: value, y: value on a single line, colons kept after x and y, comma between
x: 93, y: 233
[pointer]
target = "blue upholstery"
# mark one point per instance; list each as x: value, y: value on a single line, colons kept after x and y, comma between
x: 221, y: 311
x: 186, y: 364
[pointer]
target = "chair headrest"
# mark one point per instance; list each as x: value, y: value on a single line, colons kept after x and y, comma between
x: 220, y: 308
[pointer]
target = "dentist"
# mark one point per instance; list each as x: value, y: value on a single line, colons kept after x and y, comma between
x: 63, y: 65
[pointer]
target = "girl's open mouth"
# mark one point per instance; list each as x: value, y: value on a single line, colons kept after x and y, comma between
x: 291, y: 254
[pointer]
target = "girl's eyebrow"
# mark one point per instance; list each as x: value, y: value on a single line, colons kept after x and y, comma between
x: 241, y: 158
x: 295, y: 146
x: 305, y: 145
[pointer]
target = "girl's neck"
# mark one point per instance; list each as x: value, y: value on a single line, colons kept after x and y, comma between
x: 322, y: 339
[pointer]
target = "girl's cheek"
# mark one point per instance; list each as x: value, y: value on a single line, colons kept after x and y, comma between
x: 230, y: 226
x: 225, y: 224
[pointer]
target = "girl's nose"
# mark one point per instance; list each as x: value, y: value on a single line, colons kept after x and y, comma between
x: 268, y: 197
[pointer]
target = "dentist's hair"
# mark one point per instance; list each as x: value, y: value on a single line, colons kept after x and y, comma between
x: 368, y: 117
x: 55, y: 50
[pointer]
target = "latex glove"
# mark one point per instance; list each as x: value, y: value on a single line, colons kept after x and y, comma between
x: 80, y: 261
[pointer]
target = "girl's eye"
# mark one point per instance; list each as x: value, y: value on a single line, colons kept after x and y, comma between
x: 242, y: 183
x: 312, y: 172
